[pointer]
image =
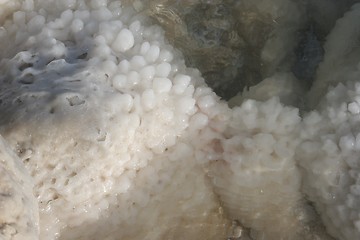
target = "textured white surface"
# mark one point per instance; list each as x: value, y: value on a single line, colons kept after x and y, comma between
x: 341, y: 56
x: 123, y: 141
x: 90, y: 101
x: 257, y: 179
x: 329, y: 153
x: 329, y: 156
x: 19, y: 218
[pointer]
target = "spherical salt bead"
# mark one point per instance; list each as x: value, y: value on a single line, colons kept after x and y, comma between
x: 42, y: 12
x: 106, y: 30
x: 59, y: 50
x: 185, y: 105
x: 180, y: 151
x: 102, y: 14
x: 50, y: 41
x: 133, y: 77
x: 147, y: 73
x: 109, y: 67
x: 162, y: 85
x: 21, y: 36
x: 36, y: 24
x: 153, y: 32
x: 124, y: 66
x: 28, y: 6
x: 198, y: 121
x: 98, y: 3
x: 148, y: 99
x: 137, y: 62
x: 115, y: 8
x: 169, y: 141
x: 181, y: 82
x: 117, y: 23
x: 66, y: 4
x: 124, y: 41
x: 126, y: 102
x: 145, y: 46
x: 347, y: 143
x: 119, y: 82
x: 135, y: 26
x: 152, y: 54
x: 77, y: 25
x: 266, y: 142
x: 206, y: 102
x: 115, y: 4
x: 67, y: 16
x: 91, y: 27
x: 182, y: 122
x: 166, y: 115
x: 166, y: 56
x: 82, y: 15
x: 19, y: 18
x: 181, y: 79
x: 102, y: 51
x: 163, y: 69
x: 128, y: 15
x: 249, y: 106
x: 202, y: 91
x: 354, y: 108
x: 175, y: 69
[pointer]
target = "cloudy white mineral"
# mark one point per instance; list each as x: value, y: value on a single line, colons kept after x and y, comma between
x: 19, y: 218
x: 329, y: 153
x: 97, y: 106
x: 123, y: 141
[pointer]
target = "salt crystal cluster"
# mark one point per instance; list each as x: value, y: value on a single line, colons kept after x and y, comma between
x: 97, y: 106
x: 258, y: 160
x: 329, y: 153
x: 123, y: 141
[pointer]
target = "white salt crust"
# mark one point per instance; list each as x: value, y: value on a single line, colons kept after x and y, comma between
x: 265, y: 141
x: 329, y: 154
x: 341, y: 56
x: 124, y: 142
x: 18, y: 207
x: 119, y: 163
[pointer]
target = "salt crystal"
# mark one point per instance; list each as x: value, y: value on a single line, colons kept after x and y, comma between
x: 124, y: 41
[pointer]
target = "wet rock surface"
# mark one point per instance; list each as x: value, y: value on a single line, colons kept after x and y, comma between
x: 225, y: 40
x: 228, y: 41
